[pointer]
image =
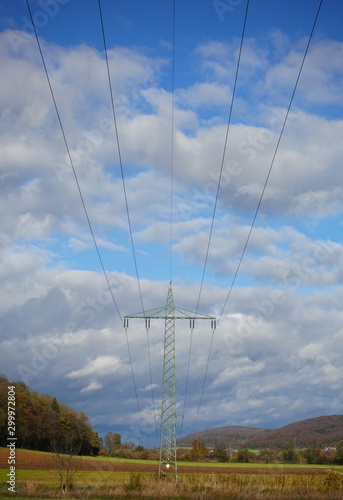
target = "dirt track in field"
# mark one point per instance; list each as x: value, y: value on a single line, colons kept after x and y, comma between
x: 27, y: 460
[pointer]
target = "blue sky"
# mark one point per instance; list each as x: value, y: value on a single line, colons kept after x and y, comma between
x: 276, y: 352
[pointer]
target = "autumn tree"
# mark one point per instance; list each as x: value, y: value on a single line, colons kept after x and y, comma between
x: 3, y: 410
x: 88, y: 437
x: 112, y: 442
x: 267, y: 456
x: 128, y: 445
x: 198, y: 451
x: 42, y: 420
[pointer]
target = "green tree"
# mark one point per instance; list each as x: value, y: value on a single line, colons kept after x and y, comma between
x: 220, y: 453
x: 289, y: 454
x: 339, y: 453
x: 243, y: 454
x: 55, y: 406
x: 313, y: 455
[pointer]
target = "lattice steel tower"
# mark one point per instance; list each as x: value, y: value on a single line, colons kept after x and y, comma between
x: 168, y: 463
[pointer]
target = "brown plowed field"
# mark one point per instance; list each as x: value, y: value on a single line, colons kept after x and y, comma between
x: 28, y: 460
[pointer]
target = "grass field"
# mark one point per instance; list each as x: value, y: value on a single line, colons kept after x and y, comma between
x: 112, y: 478
x: 50, y: 477
x: 197, y: 486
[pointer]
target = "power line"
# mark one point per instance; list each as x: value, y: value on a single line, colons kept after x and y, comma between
x: 272, y: 162
x: 125, y: 194
x: 224, y: 152
x: 83, y: 200
x: 119, y: 155
x: 172, y: 147
x: 217, y: 193
x: 260, y: 201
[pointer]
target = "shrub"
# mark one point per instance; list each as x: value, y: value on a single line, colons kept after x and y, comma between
x: 134, y: 483
x: 267, y: 456
x: 123, y: 453
x: 333, y: 481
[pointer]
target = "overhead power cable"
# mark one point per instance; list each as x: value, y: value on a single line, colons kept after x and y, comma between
x: 172, y: 149
x: 83, y: 200
x: 217, y: 193
x: 260, y: 201
x: 224, y: 153
x: 125, y: 195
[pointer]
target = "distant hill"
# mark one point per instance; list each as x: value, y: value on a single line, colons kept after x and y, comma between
x: 231, y: 435
x: 319, y: 431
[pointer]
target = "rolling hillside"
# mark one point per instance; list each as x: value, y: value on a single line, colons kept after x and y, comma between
x: 319, y: 431
x: 231, y: 435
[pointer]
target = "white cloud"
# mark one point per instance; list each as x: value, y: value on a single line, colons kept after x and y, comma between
x: 101, y: 365
x: 149, y: 387
x: 238, y: 370
x: 79, y: 245
x: 93, y: 386
x: 204, y: 95
x: 321, y: 75
x: 281, y: 330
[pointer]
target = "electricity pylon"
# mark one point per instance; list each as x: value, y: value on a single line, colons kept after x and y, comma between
x: 168, y: 463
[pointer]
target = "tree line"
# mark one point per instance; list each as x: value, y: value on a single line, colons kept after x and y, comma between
x: 287, y: 454
x: 43, y: 423
x: 111, y: 445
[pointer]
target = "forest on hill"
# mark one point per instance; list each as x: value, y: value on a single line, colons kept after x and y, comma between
x: 234, y: 436
x: 42, y: 422
x: 319, y: 431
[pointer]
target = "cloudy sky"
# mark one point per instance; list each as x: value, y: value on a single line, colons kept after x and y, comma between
x: 276, y: 354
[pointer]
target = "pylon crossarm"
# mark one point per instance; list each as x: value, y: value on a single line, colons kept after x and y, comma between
x: 192, y: 314
x: 161, y: 313
x: 151, y: 313
x: 147, y: 316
